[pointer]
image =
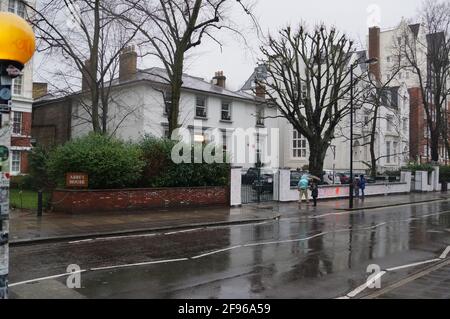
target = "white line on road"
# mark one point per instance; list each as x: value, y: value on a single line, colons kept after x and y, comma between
x: 413, y: 265
x: 445, y: 253
x: 80, y: 241
x: 46, y: 278
x: 216, y: 252
x: 140, y: 264
x: 363, y: 287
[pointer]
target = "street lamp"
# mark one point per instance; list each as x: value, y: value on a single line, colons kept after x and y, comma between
x: 352, y: 67
x: 17, y: 45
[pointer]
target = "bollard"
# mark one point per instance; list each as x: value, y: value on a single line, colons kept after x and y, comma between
x: 39, y: 209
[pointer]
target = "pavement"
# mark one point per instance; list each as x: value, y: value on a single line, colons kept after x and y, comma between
x: 27, y: 228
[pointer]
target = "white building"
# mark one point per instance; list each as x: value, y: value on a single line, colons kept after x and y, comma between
x: 140, y: 99
x: 22, y: 102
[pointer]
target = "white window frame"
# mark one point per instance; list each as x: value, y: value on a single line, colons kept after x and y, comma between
x: 16, y: 162
x: 18, y: 85
x: 389, y: 123
x: 260, y: 116
x: 222, y: 111
x: 17, y: 122
x: 204, y: 107
x: 17, y: 7
x: 299, y: 146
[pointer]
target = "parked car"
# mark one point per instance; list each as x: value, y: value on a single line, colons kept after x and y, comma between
x: 327, y: 178
x: 344, y: 177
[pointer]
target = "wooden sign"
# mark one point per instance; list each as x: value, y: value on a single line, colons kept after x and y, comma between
x: 77, y: 180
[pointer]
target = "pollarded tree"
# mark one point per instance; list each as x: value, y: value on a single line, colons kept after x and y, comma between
x: 173, y: 28
x: 308, y: 79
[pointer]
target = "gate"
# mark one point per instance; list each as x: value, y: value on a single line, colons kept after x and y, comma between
x: 257, y: 185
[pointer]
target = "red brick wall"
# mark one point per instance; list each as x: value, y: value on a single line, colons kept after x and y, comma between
x: 24, y: 162
x: 416, y: 123
x: 85, y: 201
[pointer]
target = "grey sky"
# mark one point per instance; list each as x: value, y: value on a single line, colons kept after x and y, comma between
x: 350, y: 16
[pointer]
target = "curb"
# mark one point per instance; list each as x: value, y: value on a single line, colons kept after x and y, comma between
x: 55, y: 239
x: 392, y: 205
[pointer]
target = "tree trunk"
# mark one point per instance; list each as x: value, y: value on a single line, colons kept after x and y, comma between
x: 318, y: 150
x: 94, y: 56
x: 177, y: 82
x: 373, y: 159
x: 434, y: 145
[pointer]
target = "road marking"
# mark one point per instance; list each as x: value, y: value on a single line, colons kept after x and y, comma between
x: 216, y: 252
x: 80, y: 241
x: 363, y: 287
x: 445, y: 253
x: 413, y: 265
x: 46, y: 278
x: 140, y: 264
x: 182, y: 231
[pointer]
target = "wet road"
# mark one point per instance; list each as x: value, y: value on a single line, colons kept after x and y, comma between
x: 302, y: 255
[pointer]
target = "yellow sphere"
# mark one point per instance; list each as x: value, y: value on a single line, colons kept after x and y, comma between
x: 17, y: 41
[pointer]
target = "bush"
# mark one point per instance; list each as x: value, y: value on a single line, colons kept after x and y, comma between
x: 38, y: 166
x: 444, y: 174
x: 161, y: 171
x: 109, y: 162
x: 22, y: 182
x: 413, y: 167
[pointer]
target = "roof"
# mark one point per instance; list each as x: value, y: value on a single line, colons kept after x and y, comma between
x: 415, y: 29
x: 159, y: 75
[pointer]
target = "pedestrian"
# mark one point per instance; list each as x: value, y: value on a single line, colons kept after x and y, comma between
x: 303, y: 189
x: 362, y: 185
x: 314, y: 192
x: 356, y: 186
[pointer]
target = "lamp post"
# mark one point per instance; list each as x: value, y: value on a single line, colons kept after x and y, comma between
x: 352, y: 68
x: 17, y: 45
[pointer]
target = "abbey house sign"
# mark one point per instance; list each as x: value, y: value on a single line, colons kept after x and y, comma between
x: 77, y: 180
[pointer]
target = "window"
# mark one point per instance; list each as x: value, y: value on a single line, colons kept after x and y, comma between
x: 399, y: 75
x: 200, y: 109
x: 395, y: 151
x: 388, y: 59
x: 366, y: 117
x: 167, y: 101
x: 388, y: 152
x: 17, y: 123
x: 15, y: 161
x: 298, y: 145
x: 17, y: 7
x: 356, y: 151
x: 166, y: 132
x: 389, y: 123
x: 18, y: 85
x: 260, y: 117
x: 405, y: 125
x: 226, y: 111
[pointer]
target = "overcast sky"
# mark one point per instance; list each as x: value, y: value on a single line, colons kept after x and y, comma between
x: 351, y: 16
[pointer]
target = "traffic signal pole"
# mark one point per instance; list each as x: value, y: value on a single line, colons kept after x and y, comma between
x: 5, y: 144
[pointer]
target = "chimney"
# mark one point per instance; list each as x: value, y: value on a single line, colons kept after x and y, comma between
x: 39, y: 89
x: 86, y: 79
x: 128, y: 64
x: 260, y: 91
x: 375, y: 52
x: 219, y: 79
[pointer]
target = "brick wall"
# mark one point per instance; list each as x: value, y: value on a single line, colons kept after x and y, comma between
x: 51, y: 122
x: 85, y: 201
x: 416, y: 123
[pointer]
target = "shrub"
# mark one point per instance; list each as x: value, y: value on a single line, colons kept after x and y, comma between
x: 413, y: 167
x: 444, y: 174
x: 38, y: 167
x: 161, y: 171
x: 109, y: 162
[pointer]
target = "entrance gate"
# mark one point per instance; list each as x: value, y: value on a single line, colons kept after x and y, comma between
x: 257, y: 185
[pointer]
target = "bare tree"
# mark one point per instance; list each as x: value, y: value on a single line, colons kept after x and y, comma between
x: 308, y: 79
x: 428, y: 57
x: 172, y: 28
x: 80, y: 37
